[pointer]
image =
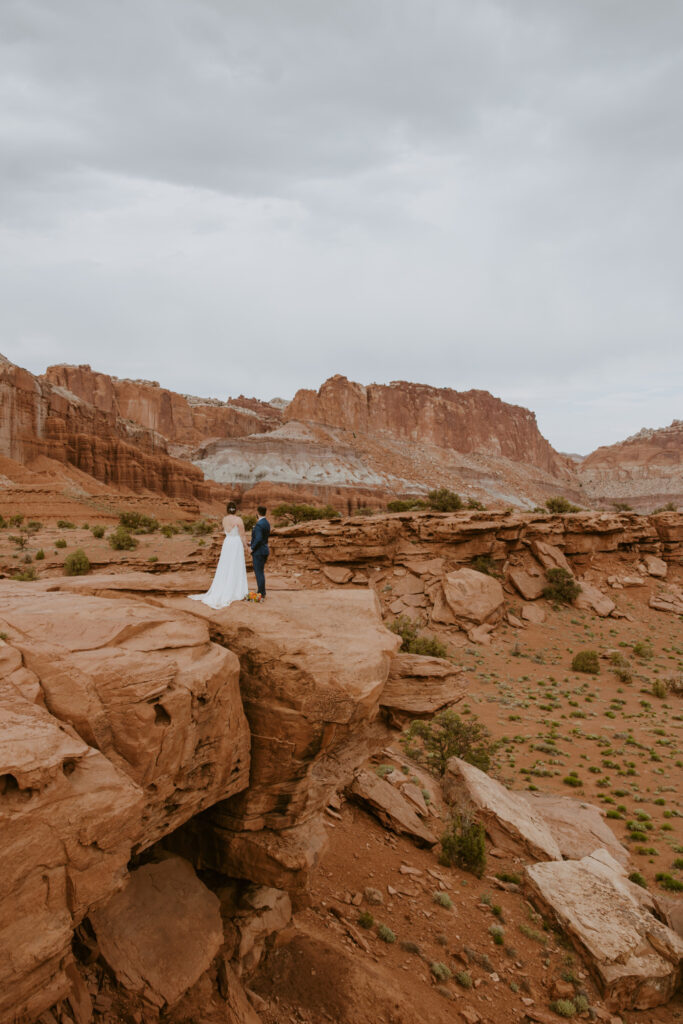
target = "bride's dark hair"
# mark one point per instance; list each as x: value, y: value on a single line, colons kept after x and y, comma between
x: 232, y: 508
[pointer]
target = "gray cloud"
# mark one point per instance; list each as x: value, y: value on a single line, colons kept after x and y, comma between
x: 249, y: 197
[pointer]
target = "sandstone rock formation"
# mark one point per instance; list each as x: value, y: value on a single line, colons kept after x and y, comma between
x: 637, y: 960
x: 472, y: 597
x: 419, y: 686
x: 510, y: 821
x: 391, y: 807
x: 645, y: 470
x: 160, y: 932
x: 578, y: 828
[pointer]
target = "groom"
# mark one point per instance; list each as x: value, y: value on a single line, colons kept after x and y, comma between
x: 260, y: 549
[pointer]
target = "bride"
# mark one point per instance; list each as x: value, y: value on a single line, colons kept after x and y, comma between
x: 230, y: 580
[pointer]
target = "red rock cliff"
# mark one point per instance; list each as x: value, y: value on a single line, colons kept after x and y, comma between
x: 183, y: 420
x: 645, y: 470
x: 468, y: 421
x: 38, y: 418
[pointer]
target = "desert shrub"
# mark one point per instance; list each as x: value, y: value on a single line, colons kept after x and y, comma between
x: 586, y: 661
x: 674, y: 685
x: 97, y: 532
x: 385, y: 933
x: 624, y: 675
x: 410, y: 947
x: 463, y: 845
x: 659, y: 688
x: 474, y: 504
x: 26, y: 576
x: 365, y: 919
x: 643, y: 649
x: 304, y: 513
x: 497, y: 934
x: 407, y: 505
x: 621, y: 506
x: 249, y: 522
x: 65, y: 524
x: 563, y: 1007
x: 561, y: 588
x: 440, y: 971
x: 464, y: 978
x: 668, y: 882
x: 561, y: 505
x: 533, y: 934
x: 637, y: 879
x: 16, y: 520
x: 413, y: 642
x: 61, y: 543
x: 443, y: 899
x: 136, y: 522
x: 77, y: 563
x: 581, y: 1003
x: 40, y: 555
x: 448, y: 735
x: 153, y: 558
x: 509, y: 876
x: 121, y: 540
x: 33, y: 526
x: 669, y: 507
x: 20, y: 539
x: 202, y: 528
x: 485, y: 564
x: 572, y: 780
x: 443, y: 500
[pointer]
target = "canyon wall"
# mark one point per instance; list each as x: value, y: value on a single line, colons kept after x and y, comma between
x: 185, y: 421
x: 38, y: 418
x: 645, y: 470
x: 468, y: 421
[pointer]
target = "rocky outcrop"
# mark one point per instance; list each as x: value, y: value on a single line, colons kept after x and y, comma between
x: 645, y: 470
x: 578, y: 828
x: 419, y: 686
x: 467, y: 421
x: 636, y: 960
x: 391, y: 806
x: 119, y: 721
x: 184, y: 421
x: 38, y: 419
x: 510, y: 821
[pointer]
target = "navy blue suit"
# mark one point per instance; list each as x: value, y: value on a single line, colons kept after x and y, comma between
x: 260, y: 551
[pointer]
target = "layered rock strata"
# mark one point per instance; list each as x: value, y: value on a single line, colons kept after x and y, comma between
x: 645, y: 470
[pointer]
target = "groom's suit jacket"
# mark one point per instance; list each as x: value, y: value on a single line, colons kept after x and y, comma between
x: 259, y: 537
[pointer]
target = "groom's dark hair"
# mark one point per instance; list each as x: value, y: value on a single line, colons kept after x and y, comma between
x: 262, y: 510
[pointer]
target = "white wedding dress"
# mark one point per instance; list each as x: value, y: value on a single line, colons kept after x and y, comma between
x: 230, y: 580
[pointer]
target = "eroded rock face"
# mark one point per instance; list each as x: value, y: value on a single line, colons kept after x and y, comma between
x: 508, y: 818
x: 160, y: 932
x: 635, y: 958
x: 419, y: 686
x: 594, y: 600
x: 644, y: 469
x: 392, y: 807
x: 578, y: 828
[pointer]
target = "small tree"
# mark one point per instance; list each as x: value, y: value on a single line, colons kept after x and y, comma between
x: 448, y: 735
x: 562, y: 588
x: 561, y: 505
x: 443, y: 500
x: 77, y: 563
x: 586, y: 661
x: 463, y: 844
x: 121, y: 540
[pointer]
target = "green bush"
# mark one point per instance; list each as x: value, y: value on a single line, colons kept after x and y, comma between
x: 563, y: 1007
x: 474, y: 504
x: 40, y: 555
x: 659, y: 688
x: 463, y: 845
x: 121, y: 540
x: 561, y: 588
x: 497, y: 934
x: 485, y: 564
x: 409, y: 505
x: 464, y: 978
x: 27, y: 576
x: 97, y: 532
x: 365, y: 919
x: 638, y: 879
x: 77, y: 563
x: 669, y: 507
x: 444, y: 900
x: 137, y: 523
x: 443, y: 500
x: 586, y: 661
x: 61, y: 543
x: 385, y: 933
x: 668, y: 882
x: 572, y: 780
x: 439, y: 970
x: 16, y: 520
x: 643, y: 649
x: 561, y: 505
x: 413, y: 642
x: 65, y: 524
x: 304, y: 513
x: 33, y: 526
x: 448, y: 735
x: 249, y: 522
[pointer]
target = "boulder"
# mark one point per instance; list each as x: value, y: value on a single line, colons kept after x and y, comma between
x: 261, y: 912
x: 550, y: 556
x: 655, y: 566
x: 532, y: 613
x: 143, y: 685
x: 635, y: 959
x: 473, y: 597
x: 337, y: 573
x: 418, y: 686
x: 510, y: 822
x: 668, y: 600
x: 160, y: 932
x: 578, y: 828
x: 390, y: 806
x: 529, y: 585
x: 594, y: 600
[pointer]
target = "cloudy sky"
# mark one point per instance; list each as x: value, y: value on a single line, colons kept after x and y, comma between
x: 247, y: 197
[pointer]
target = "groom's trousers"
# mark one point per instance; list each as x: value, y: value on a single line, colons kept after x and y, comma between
x: 259, y: 558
